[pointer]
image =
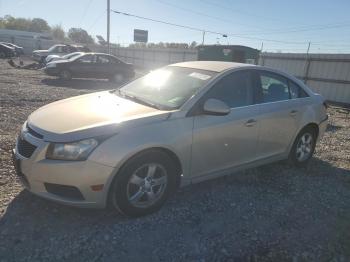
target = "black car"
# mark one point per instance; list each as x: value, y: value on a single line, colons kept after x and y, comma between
x: 91, y: 65
x: 19, y: 50
x: 6, y: 51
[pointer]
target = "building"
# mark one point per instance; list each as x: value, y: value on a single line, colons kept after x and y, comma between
x: 232, y: 53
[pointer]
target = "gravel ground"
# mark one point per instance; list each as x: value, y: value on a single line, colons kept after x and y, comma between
x: 272, y: 213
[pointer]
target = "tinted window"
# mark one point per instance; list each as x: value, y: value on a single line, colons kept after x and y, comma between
x: 86, y: 59
x: 296, y: 91
x: 114, y: 60
x: 235, y: 89
x: 59, y: 49
x: 103, y: 59
x: 273, y: 87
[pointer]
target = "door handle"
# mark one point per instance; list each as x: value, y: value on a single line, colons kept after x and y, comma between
x: 293, y: 112
x: 250, y: 122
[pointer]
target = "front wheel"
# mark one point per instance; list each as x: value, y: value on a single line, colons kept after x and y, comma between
x: 303, y: 147
x: 143, y: 184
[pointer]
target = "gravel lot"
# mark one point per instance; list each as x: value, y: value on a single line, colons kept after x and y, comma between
x: 271, y: 213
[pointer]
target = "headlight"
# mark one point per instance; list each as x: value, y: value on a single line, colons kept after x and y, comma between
x: 76, y: 151
x: 51, y: 65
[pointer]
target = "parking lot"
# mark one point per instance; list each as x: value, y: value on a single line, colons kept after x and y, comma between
x: 275, y: 212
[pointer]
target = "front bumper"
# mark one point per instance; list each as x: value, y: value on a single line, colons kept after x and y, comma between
x: 37, y: 172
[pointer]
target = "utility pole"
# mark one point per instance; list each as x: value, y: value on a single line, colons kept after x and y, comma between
x: 203, y: 37
x: 262, y: 47
x: 308, y: 48
x: 108, y: 24
x: 307, y: 64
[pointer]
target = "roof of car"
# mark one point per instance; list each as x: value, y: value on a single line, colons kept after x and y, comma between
x: 216, y: 66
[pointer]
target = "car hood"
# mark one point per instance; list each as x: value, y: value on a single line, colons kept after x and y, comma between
x: 90, y: 115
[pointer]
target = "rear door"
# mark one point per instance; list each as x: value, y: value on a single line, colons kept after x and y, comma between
x: 279, y: 115
x: 221, y: 142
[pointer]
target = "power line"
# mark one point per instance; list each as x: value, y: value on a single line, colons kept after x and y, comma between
x: 208, y: 31
x: 168, y: 23
x: 281, y: 31
x: 96, y: 20
x: 239, y: 11
x: 85, y: 10
x: 302, y: 29
x: 205, y: 15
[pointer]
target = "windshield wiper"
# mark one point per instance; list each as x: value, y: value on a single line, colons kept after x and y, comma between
x: 137, y: 99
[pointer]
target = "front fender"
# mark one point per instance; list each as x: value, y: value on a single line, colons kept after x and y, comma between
x: 174, y: 135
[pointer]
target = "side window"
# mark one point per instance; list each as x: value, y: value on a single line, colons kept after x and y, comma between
x: 103, y: 60
x: 273, y: 87
x: 59, y: 49
x: 235, y: 89
x: 86, y: 59
x: 296, y: 91
x: 114, y: 60
x: 71, y: 49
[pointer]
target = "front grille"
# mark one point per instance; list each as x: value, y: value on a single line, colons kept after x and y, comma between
x: 69, y: 192
x: 34, y: 133
x: 25, y: 148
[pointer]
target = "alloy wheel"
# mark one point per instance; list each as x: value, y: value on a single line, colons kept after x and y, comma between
x: 147, y: 185
x: 304, y: 147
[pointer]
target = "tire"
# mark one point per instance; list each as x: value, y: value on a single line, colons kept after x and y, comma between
x: 303, y: 147
x: 117, y: 78
x: 65, y: 75
x: 143, y: 184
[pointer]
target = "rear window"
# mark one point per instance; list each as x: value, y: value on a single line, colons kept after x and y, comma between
x: 296, y: 91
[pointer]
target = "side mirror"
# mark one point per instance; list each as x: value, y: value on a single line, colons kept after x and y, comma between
x: 216, y: 107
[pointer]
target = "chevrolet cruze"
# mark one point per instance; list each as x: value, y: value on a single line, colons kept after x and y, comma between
x: 188, y: 122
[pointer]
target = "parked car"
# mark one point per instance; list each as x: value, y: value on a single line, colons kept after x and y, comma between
x: 182, y: 124
x: 51, y: 58
x: 40, y: 55
x: 91, y: 65
x: 6, y: 51
x: 18, y: 49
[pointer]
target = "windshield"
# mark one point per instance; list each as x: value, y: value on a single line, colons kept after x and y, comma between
x: 53, y: 48
x: 167, y: 88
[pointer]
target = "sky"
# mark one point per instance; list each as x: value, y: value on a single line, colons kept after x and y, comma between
x: 274, y: 25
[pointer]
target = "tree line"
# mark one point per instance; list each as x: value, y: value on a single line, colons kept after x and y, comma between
x: 77, y: 35
x: 40, y: 25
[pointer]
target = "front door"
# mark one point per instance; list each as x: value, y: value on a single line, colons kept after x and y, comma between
x: 278, y: 115
x: 221, y: 142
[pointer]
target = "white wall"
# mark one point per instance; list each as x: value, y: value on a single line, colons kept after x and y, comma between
x: 150, y: 57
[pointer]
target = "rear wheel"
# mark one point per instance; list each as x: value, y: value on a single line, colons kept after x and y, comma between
x: 143, y: 184
x: 65, y: 75
x: 303, y: 147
